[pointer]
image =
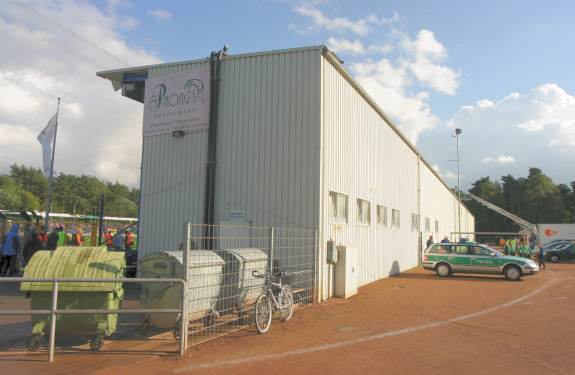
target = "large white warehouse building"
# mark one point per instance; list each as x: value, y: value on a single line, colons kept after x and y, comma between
x: 298, y: 144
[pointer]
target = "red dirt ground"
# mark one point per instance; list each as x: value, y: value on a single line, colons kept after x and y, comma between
x: 522, y: 327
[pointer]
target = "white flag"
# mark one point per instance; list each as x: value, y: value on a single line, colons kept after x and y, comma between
x: 46, y: 137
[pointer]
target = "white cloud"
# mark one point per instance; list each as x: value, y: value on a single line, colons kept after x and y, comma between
x: 546, y: 112
x: 322, y: 22
x: 160, y: 14
x: 425, y: 45
x: 381, y: 21
x: 387, y: 83
x: 447, y: 175
x: 380, y: 49
x: 521, y: 130
x: 339, y: 45
x: 451, y: 176
x: 501, y: 159
x: 55, y: 50
x: 395, y: 84
x: 426, y: 53
x: 129, y: 23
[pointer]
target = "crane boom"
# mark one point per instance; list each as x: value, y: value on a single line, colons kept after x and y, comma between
x: 524, y: 224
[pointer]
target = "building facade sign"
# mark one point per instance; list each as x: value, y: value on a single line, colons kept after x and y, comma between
x: 178, y: 101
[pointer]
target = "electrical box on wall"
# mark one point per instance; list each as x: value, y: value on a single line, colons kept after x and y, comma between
x: 346, y: 272
x: 331, y: 252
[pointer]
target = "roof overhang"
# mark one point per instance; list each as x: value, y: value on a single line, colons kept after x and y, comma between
x: 132, y: 80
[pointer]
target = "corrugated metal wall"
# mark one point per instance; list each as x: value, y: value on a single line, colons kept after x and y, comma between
x: 363, y: 157
x: 267, y: 151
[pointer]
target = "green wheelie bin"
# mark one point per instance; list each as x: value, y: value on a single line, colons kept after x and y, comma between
x: 81, y: 263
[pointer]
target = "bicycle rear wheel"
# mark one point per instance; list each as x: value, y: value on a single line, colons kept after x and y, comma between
x: 286, y: 303
x: 263, y: 313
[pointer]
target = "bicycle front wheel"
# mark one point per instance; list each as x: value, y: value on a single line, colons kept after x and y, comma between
x: 286, y: 303
x: 263, y: 313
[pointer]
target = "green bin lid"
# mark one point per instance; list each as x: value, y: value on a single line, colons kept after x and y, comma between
x: 75, y: 262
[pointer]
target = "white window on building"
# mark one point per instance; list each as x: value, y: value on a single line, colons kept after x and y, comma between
x: 382, y: 215
x: 395, y: 220
x: 427, y: 224
x: 363, y: 212
x: 338, y: 206
x: 436, y: 226
x: 415, y: 222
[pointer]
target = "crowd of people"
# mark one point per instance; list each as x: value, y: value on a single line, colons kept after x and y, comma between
x: 20, y: 243
x: 521, y: 248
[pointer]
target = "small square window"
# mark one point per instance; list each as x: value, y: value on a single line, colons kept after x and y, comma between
x: 415, y: 222
x: 338, y: 206
x: 382, y: 215
x: 363, y: 212
x: 395, y: 219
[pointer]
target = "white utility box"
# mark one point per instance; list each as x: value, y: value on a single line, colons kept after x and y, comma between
x: 346, y: 272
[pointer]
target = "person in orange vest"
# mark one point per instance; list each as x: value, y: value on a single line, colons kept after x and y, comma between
x: 129, y: 240
x: 501, y: 244
x: 108, y: 239
x: 77, y: 238
x: 43, y: 236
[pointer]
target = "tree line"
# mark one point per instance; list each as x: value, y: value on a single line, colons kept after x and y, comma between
x: 535, y: 198
x: 25, y: 188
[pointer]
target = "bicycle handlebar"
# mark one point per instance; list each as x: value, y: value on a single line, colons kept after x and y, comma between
x: 258, y: 274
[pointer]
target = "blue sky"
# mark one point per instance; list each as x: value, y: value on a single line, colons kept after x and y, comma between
x: 499, y: 46
x: 500, y: 70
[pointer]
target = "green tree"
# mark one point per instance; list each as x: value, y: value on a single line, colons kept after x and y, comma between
x: 487, y: 220
x: 535, y: 198
x: 13, y: 197
x: 31, y: 179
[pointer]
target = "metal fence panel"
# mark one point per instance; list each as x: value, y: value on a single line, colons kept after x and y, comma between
x: 290, y: 254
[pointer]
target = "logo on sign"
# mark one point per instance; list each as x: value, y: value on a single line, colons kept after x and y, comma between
x: 550, y: 232
x: 162, y: 99
x: 177, y: 101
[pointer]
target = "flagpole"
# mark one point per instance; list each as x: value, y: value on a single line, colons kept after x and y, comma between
x: 49, y: 200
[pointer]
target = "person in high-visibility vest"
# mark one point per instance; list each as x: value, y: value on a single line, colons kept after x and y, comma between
x: 61, y: 237
x: 509, y: 248
x: 77, y: 238
x: 501, y: 244
x: 129, y: 240
x: 521, y: 249
x: 513, y: 250
x: 108, y: 238
x: 527, y: 251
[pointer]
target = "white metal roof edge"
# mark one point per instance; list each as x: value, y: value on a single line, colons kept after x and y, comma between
x: 107, y: 74
x: 335, y: 61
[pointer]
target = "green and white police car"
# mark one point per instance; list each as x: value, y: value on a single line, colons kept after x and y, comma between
x: 449, y: 258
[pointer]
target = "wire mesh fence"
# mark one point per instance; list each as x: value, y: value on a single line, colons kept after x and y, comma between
x: 222, y: 288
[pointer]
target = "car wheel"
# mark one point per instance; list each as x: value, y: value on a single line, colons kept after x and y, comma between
x: 554, y: 258
x: 513, y: 273
x: 443, y: 270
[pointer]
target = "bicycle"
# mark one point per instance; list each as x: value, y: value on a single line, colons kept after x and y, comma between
x: 274, y: 296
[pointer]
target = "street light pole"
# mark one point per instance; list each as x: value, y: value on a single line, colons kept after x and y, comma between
x: 457, y: 132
